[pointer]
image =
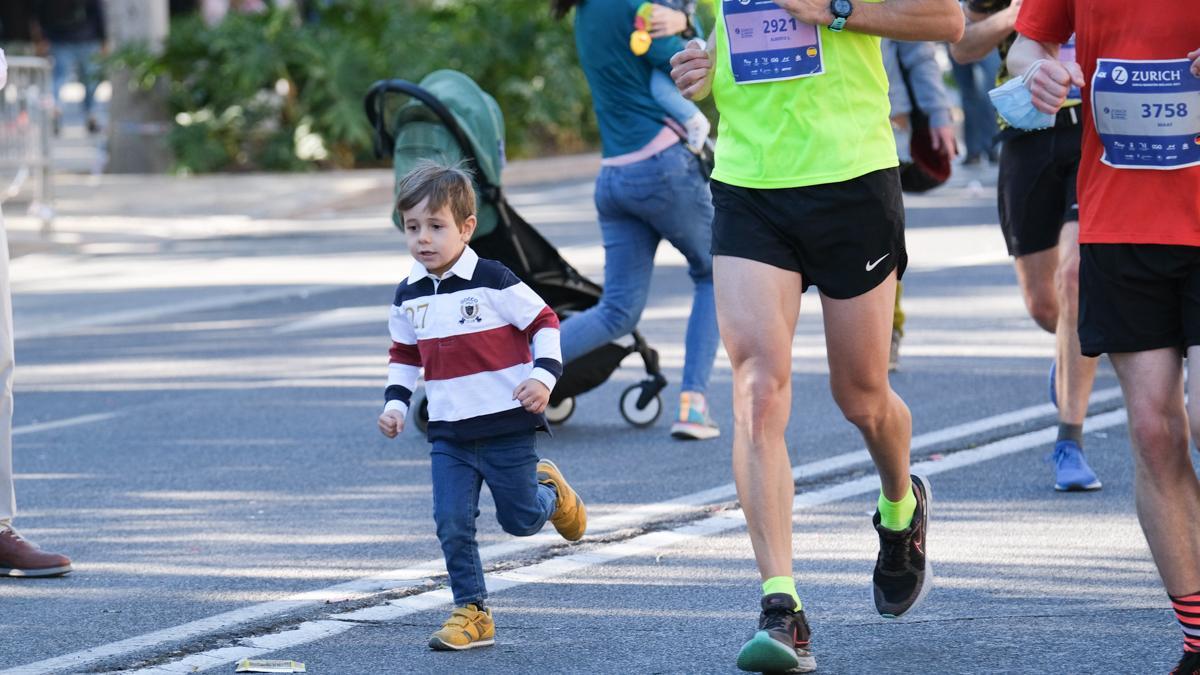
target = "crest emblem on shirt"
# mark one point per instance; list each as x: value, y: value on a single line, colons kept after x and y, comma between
x: 469, y: 309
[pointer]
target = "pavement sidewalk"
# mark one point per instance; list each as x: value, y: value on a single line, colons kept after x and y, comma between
x: 108, y: 208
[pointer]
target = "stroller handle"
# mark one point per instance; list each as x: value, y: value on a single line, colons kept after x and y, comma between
x: 384, y: 139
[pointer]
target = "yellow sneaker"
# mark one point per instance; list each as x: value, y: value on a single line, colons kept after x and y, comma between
x: 570, y: 515
x: 467, y: 628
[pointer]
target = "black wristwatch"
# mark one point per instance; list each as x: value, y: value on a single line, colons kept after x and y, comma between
x: 842, y: 9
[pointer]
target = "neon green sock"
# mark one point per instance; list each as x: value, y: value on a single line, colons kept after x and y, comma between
x: 782, y: 585
x: 897, y: 516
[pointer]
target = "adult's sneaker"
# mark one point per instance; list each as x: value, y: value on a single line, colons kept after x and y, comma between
x: 467, y: 628
x: 1188, y: 665
x: 782, y: 643
x: 903, y: 575
x: 694, y: 423
x: 1071, y: 470
x: 20, y: 557
x: 570, y: 514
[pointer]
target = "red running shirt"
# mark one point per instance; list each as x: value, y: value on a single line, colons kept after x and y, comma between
x: 1119, y: 206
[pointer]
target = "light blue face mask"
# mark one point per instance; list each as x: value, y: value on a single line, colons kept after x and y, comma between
x: 1015, y: 104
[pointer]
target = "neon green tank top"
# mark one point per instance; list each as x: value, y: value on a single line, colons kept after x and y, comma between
x: 818, y: 129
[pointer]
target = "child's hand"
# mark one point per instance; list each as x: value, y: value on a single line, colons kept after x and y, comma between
x: 1195, y: 56
x: 391, y: 423
x: 533, y: 395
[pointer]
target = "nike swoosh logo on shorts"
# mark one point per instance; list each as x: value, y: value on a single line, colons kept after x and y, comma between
x: 873, y: 265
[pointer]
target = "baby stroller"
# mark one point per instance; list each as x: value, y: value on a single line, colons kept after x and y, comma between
x: 448, y: 118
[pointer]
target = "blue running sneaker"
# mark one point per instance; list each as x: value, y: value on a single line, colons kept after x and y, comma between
x: 1071, y: 470
x: 1053, y: 384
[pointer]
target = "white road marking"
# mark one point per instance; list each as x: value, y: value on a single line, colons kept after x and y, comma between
x: 344, y: 316
x: 406, y: 578
x: 312, y: 631
x: 53, y: 328
x: 60, y: 424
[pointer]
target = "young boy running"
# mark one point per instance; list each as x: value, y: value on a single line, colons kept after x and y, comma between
x: 470, y: 323
x: 806, y: 192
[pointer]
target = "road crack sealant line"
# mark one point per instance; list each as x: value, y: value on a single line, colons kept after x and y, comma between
x: 570, y: 562
x: 403, y: 582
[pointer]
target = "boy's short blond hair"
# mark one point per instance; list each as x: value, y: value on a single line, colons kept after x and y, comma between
x: 443, y: 185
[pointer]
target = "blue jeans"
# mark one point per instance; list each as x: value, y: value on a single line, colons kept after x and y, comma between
x: 667, y: 95
x: 979, y: 117
x: 509, y: 466
x: 663, y: 197
x: 78, y: 58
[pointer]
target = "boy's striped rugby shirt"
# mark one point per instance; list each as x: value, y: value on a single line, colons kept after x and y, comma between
x: 471, y: 331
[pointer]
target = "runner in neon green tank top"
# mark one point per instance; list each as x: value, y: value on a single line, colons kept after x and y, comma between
x: 806, y: 192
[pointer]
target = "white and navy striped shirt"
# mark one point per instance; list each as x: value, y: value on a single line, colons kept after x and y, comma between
x: 471, y: 331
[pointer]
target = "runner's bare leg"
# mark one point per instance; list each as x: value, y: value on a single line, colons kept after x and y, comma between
x: 759, y: 344
x: 1166, y: 489
x: 1075, y: 373
x: 858, y: 334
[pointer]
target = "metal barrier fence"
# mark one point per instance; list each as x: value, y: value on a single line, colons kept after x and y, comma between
x: 26, y: 121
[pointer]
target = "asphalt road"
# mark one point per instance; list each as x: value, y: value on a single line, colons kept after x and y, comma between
x: 196, y: 428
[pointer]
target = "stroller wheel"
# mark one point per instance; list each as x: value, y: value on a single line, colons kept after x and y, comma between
x: 420, y: 405
x: 639, y: 407
x: 557, y: 414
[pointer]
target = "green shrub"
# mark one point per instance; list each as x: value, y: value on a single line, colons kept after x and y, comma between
x: 270, y: 92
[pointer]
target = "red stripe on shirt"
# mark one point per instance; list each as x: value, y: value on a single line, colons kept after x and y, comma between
x: 545, y: 319
x: 470, y: 353
x: 404, y: 354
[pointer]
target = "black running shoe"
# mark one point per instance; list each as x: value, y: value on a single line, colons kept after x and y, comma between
x: 902, y: 574
x: 781, y: 644
x: 1188, y: 665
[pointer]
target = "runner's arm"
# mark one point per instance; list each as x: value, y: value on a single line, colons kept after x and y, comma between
x: 983, y: 33
x: 940, y: 20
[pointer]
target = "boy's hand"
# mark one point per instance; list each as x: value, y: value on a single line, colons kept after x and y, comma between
x: 391, y: 423
x: 533, y: 395
x: 692, y: 70
x: 1195, y: 57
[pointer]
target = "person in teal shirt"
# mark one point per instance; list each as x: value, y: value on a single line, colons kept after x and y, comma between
x: 650, y: 188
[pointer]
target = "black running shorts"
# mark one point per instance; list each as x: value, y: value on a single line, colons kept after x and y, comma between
x: 844, y: 238
x: 1138, y: 297
x: 1036, y: 185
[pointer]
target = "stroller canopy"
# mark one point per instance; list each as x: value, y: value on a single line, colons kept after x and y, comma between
x: 422, y: 133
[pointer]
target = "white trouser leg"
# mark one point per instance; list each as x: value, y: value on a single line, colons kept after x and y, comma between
x: 8, y: 500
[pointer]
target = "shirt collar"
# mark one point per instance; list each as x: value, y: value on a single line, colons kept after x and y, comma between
x: 464, y: 268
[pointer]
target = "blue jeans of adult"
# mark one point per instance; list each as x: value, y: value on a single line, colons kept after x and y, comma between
x: 78, y: 58
x: 640, y: 204
x: 508, y: 464
x: 979, y: 117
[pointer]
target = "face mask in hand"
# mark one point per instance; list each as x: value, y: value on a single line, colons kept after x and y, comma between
x: 1015, y: 104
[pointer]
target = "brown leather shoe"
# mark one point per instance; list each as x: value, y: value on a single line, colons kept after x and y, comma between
x: 20, y: 558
